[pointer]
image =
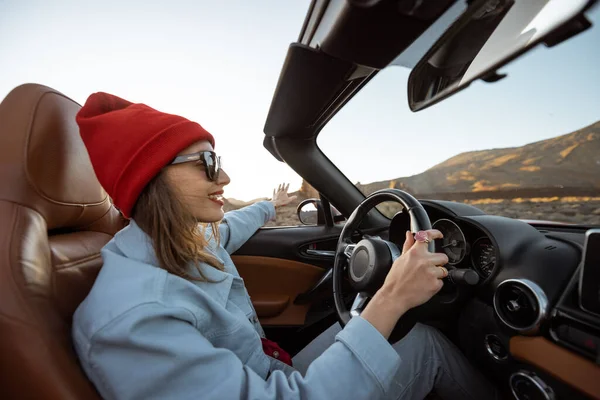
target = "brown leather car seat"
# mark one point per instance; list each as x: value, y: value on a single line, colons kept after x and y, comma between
x: 54, y: 219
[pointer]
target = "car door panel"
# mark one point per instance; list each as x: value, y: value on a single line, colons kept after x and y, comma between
x: 278, y: 270
x: 290, y: 288
x: 288, y: 269
x: 274, y: 284
x: 290, y: 243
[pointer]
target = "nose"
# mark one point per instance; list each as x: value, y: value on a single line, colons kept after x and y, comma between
x: 223, y: 178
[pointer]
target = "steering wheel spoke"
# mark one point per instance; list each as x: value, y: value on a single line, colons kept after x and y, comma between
x: 349, y: 250
x: 394, y: 250
x: 358, y: 305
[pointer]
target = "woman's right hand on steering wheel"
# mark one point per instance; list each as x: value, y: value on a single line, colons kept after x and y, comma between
x: 413, y: 279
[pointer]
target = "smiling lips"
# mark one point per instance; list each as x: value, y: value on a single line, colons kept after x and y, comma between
x: 217, y: 197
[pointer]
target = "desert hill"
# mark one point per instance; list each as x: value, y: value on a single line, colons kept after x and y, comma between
x: 568, y: 161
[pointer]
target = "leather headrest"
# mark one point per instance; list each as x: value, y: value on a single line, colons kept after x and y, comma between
x: 44, y: 164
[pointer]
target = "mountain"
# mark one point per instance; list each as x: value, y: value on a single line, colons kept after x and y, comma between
x: 568, y: 161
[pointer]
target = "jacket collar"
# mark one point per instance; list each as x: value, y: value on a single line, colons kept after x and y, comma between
x: 135, y: 244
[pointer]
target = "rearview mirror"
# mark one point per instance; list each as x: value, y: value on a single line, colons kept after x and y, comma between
x: 488, y: 35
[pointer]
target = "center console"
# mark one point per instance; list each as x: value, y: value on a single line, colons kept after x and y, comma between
x: 575, y: 321
x: 536, y: 349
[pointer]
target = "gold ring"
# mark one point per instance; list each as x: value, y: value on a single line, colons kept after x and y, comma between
x: 445, y: 272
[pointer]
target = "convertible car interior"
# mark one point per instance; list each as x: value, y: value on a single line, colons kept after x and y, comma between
x: 522, y: 300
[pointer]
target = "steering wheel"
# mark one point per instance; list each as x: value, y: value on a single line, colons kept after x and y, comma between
x: 369, y: 261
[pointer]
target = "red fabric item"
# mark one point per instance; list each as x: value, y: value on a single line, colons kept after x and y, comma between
x: 129, y: 143
x: 272, y: 349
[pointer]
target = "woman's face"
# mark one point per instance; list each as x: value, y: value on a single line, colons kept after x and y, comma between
x: 189, y: 180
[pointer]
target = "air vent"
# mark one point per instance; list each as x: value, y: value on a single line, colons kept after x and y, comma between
x: 527, y: 385
x: 495, y: 347
x: 521, y: 304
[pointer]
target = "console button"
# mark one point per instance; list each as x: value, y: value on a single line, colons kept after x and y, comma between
x: 584, y: 340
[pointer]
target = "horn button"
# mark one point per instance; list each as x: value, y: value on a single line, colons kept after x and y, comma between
x: 369, y: 265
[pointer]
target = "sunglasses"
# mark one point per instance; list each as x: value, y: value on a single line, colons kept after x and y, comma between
x: 210, y: 160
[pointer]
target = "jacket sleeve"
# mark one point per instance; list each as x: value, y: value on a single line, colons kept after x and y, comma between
x: 239, y: 225
x: 155, y: 352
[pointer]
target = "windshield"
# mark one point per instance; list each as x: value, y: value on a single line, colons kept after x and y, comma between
x: 526, y: 147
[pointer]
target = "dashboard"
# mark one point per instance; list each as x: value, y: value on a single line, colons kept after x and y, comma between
x: 522, y: 320
x: 478, y: 252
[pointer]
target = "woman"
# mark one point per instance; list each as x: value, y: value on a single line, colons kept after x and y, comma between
x: 169, y: 317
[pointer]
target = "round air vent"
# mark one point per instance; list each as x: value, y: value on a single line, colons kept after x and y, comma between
x: 526, y: 385
x: 495, y: 347
x: 521, y: 304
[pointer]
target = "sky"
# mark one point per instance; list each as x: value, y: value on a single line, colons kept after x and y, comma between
x: 218, y: 63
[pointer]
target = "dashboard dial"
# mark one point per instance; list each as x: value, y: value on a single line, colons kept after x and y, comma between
x: 453, y: 243
x: 483, y: 256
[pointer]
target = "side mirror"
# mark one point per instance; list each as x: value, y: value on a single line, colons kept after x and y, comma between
x: 312, y: 212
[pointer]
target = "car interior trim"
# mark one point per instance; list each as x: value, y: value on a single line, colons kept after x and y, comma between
x: 273, y: 283
x: 559, y: 362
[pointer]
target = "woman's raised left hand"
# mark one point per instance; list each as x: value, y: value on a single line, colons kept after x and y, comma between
x: 281, y: 197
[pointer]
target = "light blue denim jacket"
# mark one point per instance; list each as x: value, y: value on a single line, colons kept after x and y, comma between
x: 143, y: 333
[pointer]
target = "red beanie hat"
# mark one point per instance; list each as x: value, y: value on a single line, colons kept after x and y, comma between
x: 130, y: 143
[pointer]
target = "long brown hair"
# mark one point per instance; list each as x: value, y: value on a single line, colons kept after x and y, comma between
x: 176, y: 236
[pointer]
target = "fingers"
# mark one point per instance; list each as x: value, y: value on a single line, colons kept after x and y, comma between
x: 439, y: 283
x: 433, y: 234
x: 280, y: 195
x: 438, y: 272
x: 438, y: 259
x: 445, y: 271
x: 282, y: 187
x: 408, y: 242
